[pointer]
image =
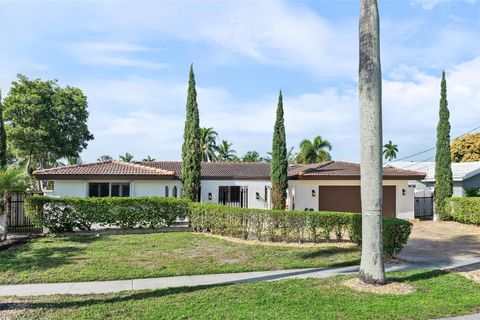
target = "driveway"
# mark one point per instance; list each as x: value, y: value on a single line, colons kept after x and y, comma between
x: 443, y: 243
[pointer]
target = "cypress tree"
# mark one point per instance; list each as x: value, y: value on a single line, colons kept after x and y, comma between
x: 3, y: 138
x: 443, y: 169
x: 279, y: 162
x: 191, y: 153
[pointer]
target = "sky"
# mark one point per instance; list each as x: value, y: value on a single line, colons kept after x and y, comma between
x: 131, y: 59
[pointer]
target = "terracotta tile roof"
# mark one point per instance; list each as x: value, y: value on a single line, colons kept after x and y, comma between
x: 340, y: 169
x: 218, y: 170
x: 104, y: 168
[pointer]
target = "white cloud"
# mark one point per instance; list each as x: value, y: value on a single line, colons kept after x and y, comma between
x: 112, y: 54
x: 430, y: 4
x: 152, y: 121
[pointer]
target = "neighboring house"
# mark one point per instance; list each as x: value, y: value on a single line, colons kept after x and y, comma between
x: 330, y: 186
x: 466, y: 175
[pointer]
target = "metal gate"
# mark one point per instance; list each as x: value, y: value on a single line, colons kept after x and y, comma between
x: 424, y: 204
x: 18, y: 221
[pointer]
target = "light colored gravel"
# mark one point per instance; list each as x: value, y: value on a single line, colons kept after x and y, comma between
x: 389, y: 288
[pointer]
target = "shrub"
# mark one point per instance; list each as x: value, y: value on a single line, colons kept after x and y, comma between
x: 273, y: 225
x: 475, y: 192
x: 464, y: 210
x: 67, y: 214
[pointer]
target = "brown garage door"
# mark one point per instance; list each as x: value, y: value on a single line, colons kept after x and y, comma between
x: 347, y: 199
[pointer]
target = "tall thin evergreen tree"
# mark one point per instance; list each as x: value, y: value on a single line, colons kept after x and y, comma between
x: 443, y: 169
x: 3, y: 138
x: 279, y: 163
x: 191, y: 153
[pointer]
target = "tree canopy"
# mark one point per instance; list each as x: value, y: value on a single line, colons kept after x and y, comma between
x: 443, y: 168
x: 191, y: 153
x: 45, y: 122
x: 390, y: 150
x: 279, y: 163
x: 466, y: 148
x: 314, y: 151
x: 252, y: 156
x: 127, y: 157
x: 225, y: 152
x: 208, y: 144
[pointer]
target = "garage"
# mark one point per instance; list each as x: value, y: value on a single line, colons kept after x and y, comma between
x: 347, y: 199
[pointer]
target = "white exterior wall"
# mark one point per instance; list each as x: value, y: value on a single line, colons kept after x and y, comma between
x: 302, y: 190
x: 154, y: 188
x: 254, y: 186
x: 69, y: 188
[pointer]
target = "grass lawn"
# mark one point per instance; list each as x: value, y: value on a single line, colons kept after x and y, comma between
x: 437, y: 294
x: 84, y: 258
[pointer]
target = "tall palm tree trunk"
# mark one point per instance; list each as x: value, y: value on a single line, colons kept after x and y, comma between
x: 370, y: 95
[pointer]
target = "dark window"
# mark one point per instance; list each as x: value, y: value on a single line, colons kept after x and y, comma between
x: 234, y: 196
x: 125, y: 190
x: 120, y: 190
x: 98, y: 189
x: 175, y: 193
x: 115, y: 190
x: 106, y: 189
x: 166, y: 191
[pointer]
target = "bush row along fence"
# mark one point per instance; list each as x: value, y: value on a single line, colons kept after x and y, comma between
x: 68, y: 214
x: 464, y: 210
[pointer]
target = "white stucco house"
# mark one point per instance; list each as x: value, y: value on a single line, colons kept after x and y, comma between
x: 329, y: 186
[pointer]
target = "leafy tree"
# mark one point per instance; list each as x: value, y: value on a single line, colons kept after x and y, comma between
x: 12, y: 179
x: 74, y: 160
x: 3, y: 138
x: 443, y: 169
x: 127, y: 157
x: 279, y: 164
x: 225, y: 152
x: 252, y: 156
x: 191, y: 153
x: 372, y: 269
x: 390, y: 151
x: 208, y: 144
x: 148, y: 159
x: 105, y: 157
x: 313, y: 152
x: 466, y: 148
x: 45, y: 122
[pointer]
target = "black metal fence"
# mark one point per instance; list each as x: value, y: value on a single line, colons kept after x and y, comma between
x: 18, y: 222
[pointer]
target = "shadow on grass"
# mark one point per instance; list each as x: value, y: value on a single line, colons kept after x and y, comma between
x: 88, y: 301
x: 326, y: 252
x: 51, y: 253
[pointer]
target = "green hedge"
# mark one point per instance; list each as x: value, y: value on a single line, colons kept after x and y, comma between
x: 465, y: 210
x: 271, y: 225
x: 67, y: 214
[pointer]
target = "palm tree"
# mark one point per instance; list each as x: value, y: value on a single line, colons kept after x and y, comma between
x: 127, y: 157
x: 390, y: 151
x: 372, y: 268
x: 291, y: 156
x: 148, y: 159
x: 252, y: 156
x: 313, y: 152
x: 105, y: 157
x: 12, y: 179
x: 225, y: 152
x: 208, y: 144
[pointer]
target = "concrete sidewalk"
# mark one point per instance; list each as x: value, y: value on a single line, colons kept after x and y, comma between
x: 99, y: 287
